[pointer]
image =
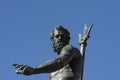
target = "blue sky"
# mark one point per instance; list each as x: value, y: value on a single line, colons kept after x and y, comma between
x: 25, y: 27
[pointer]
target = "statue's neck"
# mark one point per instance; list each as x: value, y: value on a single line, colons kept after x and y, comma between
x: 59, y: 51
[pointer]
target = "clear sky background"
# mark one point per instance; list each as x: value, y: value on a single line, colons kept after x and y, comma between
x: 25, y: 27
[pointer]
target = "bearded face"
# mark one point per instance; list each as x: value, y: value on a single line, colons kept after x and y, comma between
x: 60, y: 39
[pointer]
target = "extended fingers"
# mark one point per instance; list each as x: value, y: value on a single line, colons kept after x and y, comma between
x: 22, y: 67
x: 19, y: 66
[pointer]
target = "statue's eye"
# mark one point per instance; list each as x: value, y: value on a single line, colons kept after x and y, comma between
x: 57, y: 36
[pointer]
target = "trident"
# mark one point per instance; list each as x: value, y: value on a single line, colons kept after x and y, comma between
x: 83, y: 43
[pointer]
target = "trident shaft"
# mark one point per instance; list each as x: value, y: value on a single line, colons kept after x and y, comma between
x: 83, y: 43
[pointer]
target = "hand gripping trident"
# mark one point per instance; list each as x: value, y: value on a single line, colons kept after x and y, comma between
x: 83, y: 43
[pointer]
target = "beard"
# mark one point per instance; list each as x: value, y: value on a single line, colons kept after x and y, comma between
x: 58, y: 45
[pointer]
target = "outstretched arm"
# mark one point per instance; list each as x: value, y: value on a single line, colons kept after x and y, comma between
x: 63, y: 59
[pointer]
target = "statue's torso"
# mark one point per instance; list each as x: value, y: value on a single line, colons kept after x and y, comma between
x: 71, y: 71
x: 62, y: 74
x: 66, y: 73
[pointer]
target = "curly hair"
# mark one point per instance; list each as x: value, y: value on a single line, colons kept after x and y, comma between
x: 60, y: 28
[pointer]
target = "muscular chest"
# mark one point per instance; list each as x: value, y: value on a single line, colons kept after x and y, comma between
x: 62, y: 73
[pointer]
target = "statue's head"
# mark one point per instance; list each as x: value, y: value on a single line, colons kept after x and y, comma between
x: 59, y: 37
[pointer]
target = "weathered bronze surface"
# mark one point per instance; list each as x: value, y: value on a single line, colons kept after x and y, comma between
x: 68, y: 64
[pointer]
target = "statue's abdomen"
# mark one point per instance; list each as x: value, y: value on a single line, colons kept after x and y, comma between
x: 63, y: 74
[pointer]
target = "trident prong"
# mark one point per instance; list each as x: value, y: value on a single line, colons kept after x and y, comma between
x: 85, y: 30
x: 86, y: 34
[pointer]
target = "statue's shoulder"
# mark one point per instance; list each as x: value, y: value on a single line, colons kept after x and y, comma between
x: 69, y: 48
